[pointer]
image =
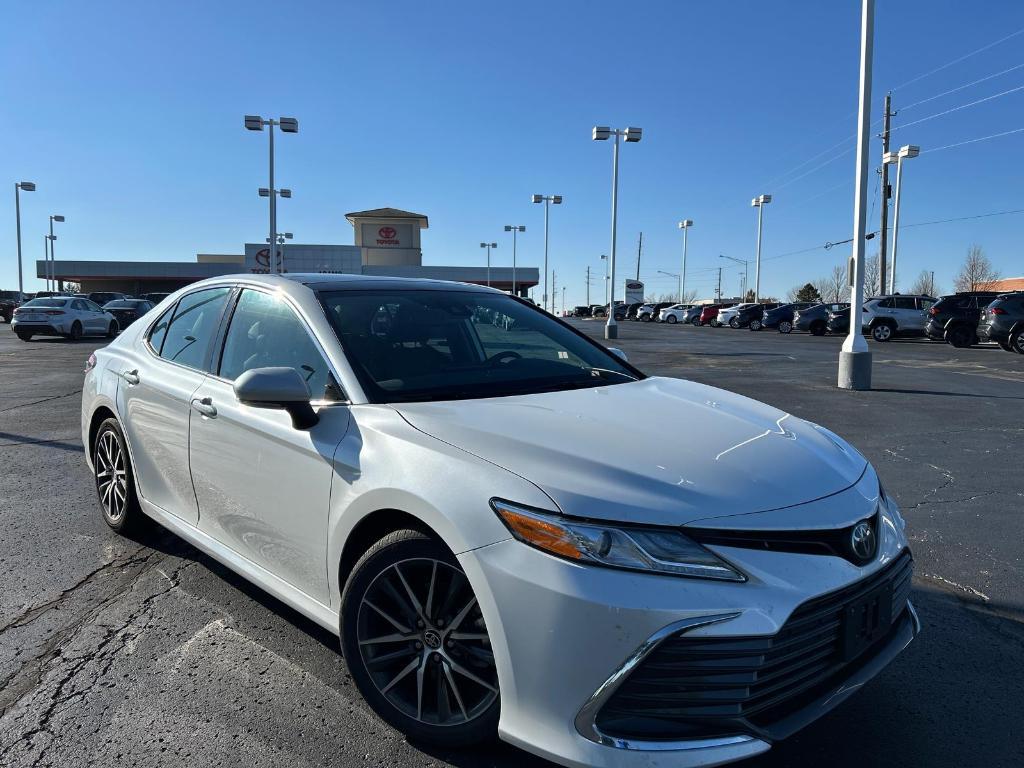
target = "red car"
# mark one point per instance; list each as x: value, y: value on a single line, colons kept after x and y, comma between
x: 710, y: 313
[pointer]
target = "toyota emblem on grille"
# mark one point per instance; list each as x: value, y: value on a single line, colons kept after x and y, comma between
x: 862, y: 540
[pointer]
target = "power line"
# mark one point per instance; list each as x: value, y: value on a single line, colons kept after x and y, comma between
x: 972, y: 141
x: 959, y: 59
x: 961, y: 87
x: 958, y: 108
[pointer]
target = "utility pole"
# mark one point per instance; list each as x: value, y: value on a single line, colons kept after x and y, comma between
x: 718, y: 290
x: 931, y: 284
x: 883, y: 232
x: 588, y: 286
x: 554, y: 291
x: 639, y: 249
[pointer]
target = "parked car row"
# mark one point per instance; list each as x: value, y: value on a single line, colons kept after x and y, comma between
x: 75, y: 316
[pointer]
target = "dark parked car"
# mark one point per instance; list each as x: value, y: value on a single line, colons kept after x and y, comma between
x: 649, y: 311
x: 838, y: 321
x: 9, y: 301
x: 814, y: 319
x: 752, y: 317
x: 105, y: 297
x: 599, y: 310
x: 955, y: 318
x: 692, y: 314
x: 631, y: 310
x: 156, y: 298
x: 781, y: 317
x: 709, y: 314
x: 127, y: 311
x: 1002, y: 321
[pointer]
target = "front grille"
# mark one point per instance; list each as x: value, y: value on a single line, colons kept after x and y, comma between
x: 694, y: 687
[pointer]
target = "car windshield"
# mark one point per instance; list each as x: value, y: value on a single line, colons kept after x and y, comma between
x: 46, y: 303
x: 417, y: 345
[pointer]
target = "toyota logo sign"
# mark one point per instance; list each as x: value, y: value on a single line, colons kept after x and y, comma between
x: 387, y: 233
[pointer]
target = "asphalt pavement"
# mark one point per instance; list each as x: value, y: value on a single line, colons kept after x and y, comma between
x: 146, y: 652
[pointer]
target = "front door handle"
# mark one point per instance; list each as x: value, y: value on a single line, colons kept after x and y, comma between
x: 132, y: 377
x: 205, y: 406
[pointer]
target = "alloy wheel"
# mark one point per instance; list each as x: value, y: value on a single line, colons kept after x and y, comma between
x: 881, y: 332
x: 423, y: 641
x: 111, y: 477
x: 785, y: 326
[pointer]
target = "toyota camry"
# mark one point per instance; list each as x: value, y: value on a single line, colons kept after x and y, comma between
x: 431, y: 471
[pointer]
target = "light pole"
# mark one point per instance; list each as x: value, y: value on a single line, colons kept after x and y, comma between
x: 546, y: 199
x: 604, y: 258
x: 287, y: 125
x: 516, y: 229
x: 281, y: 238
x: 684, y: 225
x: 28, y: 186
x: 488, y: 246
x: 51, y: 272
x: 758, y: 202
x: 603, y: 133
x: 855, y: 358
x: 746, y: 273
x: 906, y: 151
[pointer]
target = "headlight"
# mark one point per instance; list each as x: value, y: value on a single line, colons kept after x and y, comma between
x: 655, y: 550
x: 890, y: 507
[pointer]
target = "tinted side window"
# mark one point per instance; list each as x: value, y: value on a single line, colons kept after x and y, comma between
x: 904, y: 302
x: 159, y: 330
x: 195, y: 322
x: 79, y: 305
x: 887, y: 303
x: 265, y: 332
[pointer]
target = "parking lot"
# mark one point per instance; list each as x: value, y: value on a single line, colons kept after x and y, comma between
x: 149, y: 653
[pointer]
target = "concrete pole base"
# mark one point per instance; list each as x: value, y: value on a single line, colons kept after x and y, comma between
x: 611, y: 331
x: 854, y: 370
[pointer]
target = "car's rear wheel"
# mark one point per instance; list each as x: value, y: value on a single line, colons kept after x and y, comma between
x: 755, y: 325
x: 671, y: 320
x: 1017, y: 342
x: 881, y: 332
x: 416, y: 643
x: 818, y: 328
x: 734, y: 323
x: 960, y: 336
x: 76, y: 331
x: 785, y: 327
x: 115, y: 481
x: 24, y: 336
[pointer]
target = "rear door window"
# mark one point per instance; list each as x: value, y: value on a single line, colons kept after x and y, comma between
x: 904, y: 302
x: 196, y: 319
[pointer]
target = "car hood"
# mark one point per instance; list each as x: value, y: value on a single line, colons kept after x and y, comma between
x: 658, y: 451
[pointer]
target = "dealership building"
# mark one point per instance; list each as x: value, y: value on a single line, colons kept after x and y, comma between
x: 387, y: 243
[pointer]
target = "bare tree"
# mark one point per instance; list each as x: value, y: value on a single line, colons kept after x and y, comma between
x: 977, y: 273
x: 925, y: 283
x: 690, y: 297
x: 833, y: 287
x: 871, y: 277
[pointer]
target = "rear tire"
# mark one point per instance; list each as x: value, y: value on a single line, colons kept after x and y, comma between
x: 671, y: 320
x: 734, y: 323
x: 115, y: 480
x: 755, y: 325
x: 960, y: 336
x: 432, y: 676
x: 112, y: 329
x: 24, y: 336
x: 785, y: 327
x: 818, y: 328
x: 1017, y: 342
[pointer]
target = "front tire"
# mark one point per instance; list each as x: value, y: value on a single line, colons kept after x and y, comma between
x: 734, y: 323
x: 671, y: 320
x: 416, y: 643
x: 24, y: 336
x: 755, y: 325
x: 76, y: 331
x: 112, y: 329
x: 785, y: 327
x: 115, y: 480
x: 1017, y: 342
x: 818, y: 328
x: 881, y: 332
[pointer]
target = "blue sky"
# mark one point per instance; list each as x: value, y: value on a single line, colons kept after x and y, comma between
x: 128, y: 116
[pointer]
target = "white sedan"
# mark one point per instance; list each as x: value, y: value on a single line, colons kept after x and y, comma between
x: 430, y: 485
x: 674, y: 314
x: 727, y: 315
x: 66, y: 316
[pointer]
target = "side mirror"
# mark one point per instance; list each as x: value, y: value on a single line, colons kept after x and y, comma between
x: 277, y: 388
x: 619, y: 354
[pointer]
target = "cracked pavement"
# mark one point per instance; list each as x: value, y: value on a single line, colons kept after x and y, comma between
x: 146, y: 652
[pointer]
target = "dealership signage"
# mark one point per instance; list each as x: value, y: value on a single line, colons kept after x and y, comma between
x: 634, y: 291
x: 395, y: 235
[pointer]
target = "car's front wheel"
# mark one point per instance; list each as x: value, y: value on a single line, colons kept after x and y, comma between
x: 755, y: 325
x: 1017, y: 342
x: 881, y: 332
x: 785, y: 327
x: 76, y: 331
x: 115, y: 481
x: 734, y: 323
x: 112, y: 329
x: 416, y: 643
x: 24, y: 336
x: 671, y: 320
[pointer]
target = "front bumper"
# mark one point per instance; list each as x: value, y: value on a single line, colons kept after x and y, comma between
x: 563, y: 633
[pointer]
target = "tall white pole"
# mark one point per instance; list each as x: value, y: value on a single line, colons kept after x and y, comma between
x: 855, y: 358
x: 895, y: 225
x: 611, y: 328
x: 757, y: 264
x: 17, y: 217
x: 488, y: 266
x: 274, y: 267
x: 682, y: 276
x: 514, y: 231
x: 53, y: 256
x: 544, y: 304
x: 46, y: 260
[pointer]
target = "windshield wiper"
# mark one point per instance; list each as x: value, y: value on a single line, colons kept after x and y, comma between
x: 601, y: 372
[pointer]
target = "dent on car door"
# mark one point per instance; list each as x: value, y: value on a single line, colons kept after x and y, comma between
x: 263, y: 485
x: 157, y: 384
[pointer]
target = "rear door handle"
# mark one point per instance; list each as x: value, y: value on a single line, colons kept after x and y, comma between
x: 132, y: 377
x: 205, y: 406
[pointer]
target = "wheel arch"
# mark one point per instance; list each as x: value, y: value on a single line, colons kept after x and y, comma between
x: 373, y: 527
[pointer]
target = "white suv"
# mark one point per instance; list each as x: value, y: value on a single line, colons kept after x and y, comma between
x: 674, y: 314
x: 887, y: 316
x: 727, y: 315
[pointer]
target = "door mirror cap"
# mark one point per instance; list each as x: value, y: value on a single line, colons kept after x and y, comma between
x: 277, y: 388
x: 619, y: 354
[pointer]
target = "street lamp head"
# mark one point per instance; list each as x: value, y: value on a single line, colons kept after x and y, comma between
x: 889, y: 158
x: 508, y: 227
x: 909, y: 150
x: 253, y: 123
x: 287, y: 235
x: 537, y: 198
x: 289, y: 124
x: 634, y: 134
x: 685, y: 223
x: 522, y: 227
x: 602, y: 132
x: 27, y: 186
x: 55, y: 217
x: 286, y: 193
x: 556, y: 199
x: 264, y: 192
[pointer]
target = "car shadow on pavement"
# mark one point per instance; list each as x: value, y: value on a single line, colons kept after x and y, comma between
x: 15, y: 439
x: 946, y: 394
